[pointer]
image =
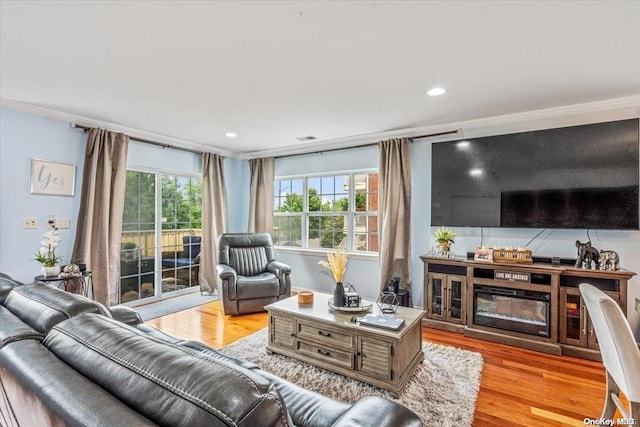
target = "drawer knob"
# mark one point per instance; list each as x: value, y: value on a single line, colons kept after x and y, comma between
x: 324, y: 334
x: 324, y: 353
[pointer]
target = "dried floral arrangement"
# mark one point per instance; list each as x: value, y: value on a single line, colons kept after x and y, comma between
x: 337, y: 263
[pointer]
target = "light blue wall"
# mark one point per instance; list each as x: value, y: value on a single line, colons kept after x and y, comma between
x: 23, y: 137
x: 237, y: 182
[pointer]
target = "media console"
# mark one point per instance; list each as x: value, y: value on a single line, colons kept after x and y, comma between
x: 535, y: 306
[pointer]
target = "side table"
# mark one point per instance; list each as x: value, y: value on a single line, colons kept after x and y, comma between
x: 84, y: 281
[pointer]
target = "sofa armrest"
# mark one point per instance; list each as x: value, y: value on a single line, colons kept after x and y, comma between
x: 126, y: 315
x: 373, y: 410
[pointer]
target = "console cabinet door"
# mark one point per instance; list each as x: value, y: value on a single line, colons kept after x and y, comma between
x: 575, y: 323
x: 436, y: 298
x: 573, y: 318
x: 592, y: 340
x: 281, y: 331
x: 456, y: 299
x: 375, y: 358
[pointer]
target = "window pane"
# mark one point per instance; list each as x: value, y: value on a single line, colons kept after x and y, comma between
x: 328, y: 231
x: 181, y: 220
x: 181, y: 231
x: 287, y: 196
x: 365, y: 233
x: 137, y: 252
x: 287, y: 230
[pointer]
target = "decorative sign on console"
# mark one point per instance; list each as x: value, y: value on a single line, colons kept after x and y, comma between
x: 510, y: 276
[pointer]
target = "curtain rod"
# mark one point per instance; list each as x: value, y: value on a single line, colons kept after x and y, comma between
x: 146, y: 141
x: 449, y: 132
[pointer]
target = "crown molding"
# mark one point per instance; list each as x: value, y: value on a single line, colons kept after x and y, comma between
x: 628, y: 107
x: 133, y: 132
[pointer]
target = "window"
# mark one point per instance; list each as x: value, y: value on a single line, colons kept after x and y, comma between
x: 162, y: 221
x: 327, y: 212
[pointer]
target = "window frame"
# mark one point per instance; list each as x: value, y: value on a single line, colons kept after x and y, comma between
x: 350, y: 214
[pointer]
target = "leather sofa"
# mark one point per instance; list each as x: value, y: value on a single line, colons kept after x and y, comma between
x: 249, y: 277
x: 68, y: 361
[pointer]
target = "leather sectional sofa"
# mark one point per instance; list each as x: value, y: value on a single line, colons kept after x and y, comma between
x: 67, y: 360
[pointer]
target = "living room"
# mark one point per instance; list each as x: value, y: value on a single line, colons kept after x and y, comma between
x: 33, y: 125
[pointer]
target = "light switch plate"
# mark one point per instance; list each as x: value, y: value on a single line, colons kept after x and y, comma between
x: 30, y: 222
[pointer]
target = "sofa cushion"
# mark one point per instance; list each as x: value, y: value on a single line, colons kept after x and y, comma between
x: 44, y: 391
x: 44, y: 306
x: 6, y: 285
x: 14, y: 329
x: 261, y: 286
x: 167, y: 383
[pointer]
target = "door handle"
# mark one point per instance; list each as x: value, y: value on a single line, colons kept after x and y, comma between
x: 324, y: 334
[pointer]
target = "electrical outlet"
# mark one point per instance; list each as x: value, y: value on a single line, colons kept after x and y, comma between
x: 638, y: 305
x: 62, y: 222
x: 30, y: 222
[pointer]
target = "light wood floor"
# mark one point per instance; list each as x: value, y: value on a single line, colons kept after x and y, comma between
x: 519, y: 387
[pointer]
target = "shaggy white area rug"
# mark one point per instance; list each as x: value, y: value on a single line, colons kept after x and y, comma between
x: 442, y: 391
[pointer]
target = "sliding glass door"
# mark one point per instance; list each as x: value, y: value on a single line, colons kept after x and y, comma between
x: 161, y: 233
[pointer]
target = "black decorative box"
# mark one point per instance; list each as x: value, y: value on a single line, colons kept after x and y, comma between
x: 351, y: 299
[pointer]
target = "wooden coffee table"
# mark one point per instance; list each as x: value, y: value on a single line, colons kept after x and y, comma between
x: 328, y: 339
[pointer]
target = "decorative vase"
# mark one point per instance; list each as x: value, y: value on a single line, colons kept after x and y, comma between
x: 338, y: 295
x: 445, y: 246
x: 50, y: 271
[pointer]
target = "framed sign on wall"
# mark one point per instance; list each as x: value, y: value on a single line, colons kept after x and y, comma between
x: 53, y: 178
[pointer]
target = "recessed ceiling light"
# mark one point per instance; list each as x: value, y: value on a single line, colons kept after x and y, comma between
x: 230, y: 134
x: 306, y: 138
x: 436, y: 91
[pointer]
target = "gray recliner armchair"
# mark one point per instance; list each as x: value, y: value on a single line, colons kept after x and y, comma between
x: 249, y: 277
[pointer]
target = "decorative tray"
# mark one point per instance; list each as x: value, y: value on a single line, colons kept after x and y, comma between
x: 364, y: 306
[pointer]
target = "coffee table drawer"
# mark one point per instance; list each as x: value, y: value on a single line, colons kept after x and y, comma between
x: 325, y: 354
x: 328, y: 336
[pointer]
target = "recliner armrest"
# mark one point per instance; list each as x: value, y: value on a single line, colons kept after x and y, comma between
x: 278, y: 268
x: 226, y: 272
x: 126, y: 315
x: 376, y: 411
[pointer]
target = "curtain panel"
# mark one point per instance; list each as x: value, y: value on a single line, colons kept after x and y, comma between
x: 394, y: 212
x: 99, y: 227
x: 214, y: 218
x: 261, y: 195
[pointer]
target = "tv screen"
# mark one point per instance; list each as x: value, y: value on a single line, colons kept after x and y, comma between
x: 582, y: 177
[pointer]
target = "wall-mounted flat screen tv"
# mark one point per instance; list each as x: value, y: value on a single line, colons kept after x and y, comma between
x: 582, y: 177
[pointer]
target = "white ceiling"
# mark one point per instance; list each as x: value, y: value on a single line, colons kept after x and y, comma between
x: 273, y: 71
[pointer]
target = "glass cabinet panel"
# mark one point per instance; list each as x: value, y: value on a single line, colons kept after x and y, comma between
x: 437, y: 287
x: 572, y: 315
x: 456, y: 299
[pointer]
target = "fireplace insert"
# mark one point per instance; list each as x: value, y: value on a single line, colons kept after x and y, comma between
x: 514, y: 310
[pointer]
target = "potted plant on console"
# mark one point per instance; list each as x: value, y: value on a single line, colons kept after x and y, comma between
x: 445, y: 237
x: 46, y: 255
